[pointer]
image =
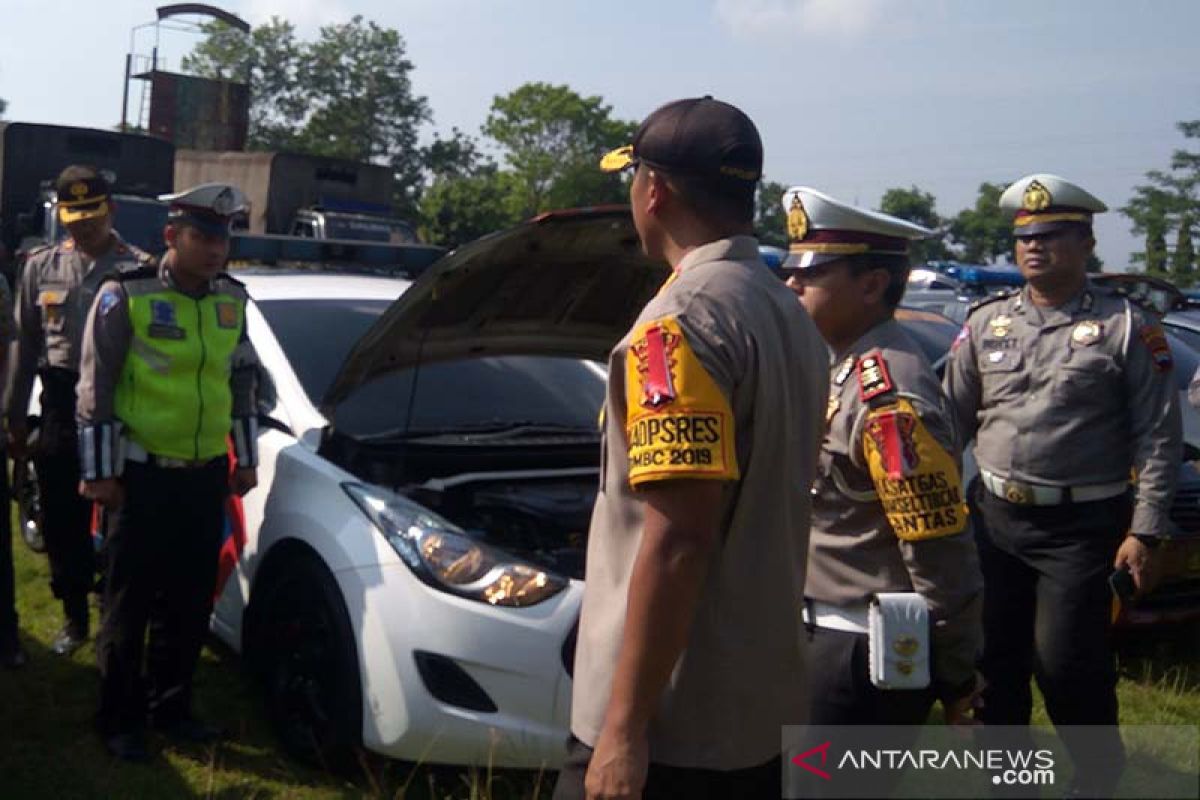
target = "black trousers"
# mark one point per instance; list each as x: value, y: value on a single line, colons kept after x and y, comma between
x: 66, y: 516
x: 162, y: 566
x: 8, y: 594
x: 1047, y: 615
x: 674, y: 783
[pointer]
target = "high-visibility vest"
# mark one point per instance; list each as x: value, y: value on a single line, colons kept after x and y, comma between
x: 173, y: 396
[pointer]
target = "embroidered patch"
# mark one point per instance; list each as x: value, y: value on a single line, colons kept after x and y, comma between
x: 873, y: 378
x: 108, y: 301
x: 678, y: 420
x: 917, y: 480
x: 162, y: 312
x: 227, y: 315
x: 1156, y: 342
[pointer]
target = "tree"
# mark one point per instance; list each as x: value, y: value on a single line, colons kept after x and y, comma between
x: 984, y: 232
x: 348, y: 94
x: 455, y: 210
x: 1169, y: 201
x: 269, y: 61
x: 918, y: 207
x: 551, y: 140
x: 770, y: 220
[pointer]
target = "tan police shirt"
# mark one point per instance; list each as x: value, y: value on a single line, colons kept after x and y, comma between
x: 723, y: 377
x: 888, y: 507
x: 1071, y: 396
x: 54, y: 293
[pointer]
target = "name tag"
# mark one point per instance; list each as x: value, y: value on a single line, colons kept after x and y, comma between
x: 166, y: 332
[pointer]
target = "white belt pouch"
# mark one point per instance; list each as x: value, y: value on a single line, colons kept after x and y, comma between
x: 898, y: 641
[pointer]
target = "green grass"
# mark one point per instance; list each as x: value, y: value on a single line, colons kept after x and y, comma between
x: 48, y: 748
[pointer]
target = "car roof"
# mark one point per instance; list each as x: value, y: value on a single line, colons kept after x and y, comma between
x: 273, y: 284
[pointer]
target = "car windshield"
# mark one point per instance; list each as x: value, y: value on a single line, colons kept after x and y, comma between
x: 476, y: 394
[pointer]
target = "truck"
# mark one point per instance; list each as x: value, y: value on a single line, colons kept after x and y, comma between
x: 138, y: 167
x: 315, y: 197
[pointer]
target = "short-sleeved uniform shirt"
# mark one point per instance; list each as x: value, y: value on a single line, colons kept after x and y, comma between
x: 723, y: 377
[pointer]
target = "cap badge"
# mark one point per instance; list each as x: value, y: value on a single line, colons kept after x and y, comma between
x: 1000, y: 326
x: 1087, y: 332
x: 78, y: 190
x: 797, y: 220
x: 223, y: 202
x: 1036, y: 198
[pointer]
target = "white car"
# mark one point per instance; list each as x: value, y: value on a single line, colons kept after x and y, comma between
x: 407, y: 576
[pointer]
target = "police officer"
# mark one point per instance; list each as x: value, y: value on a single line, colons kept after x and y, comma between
x: 12, y: 655
x: 689, y: 648
x: 54, y: 292
x: 168, y: 375
x: 1066, y: 387
x: 888, y: 509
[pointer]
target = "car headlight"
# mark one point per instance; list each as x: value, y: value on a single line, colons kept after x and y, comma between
x: 442, y: 555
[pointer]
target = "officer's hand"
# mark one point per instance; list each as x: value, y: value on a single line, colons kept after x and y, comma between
x: 1141, y: 562
x: 107, y: 492
x: 618, y: 767
x: 243, y: 480
x: 18, y: 439
x: 960, y: 713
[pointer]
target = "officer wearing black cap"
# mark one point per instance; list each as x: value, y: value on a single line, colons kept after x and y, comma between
x: 689, y: 651
x: 890, y: 527
x: 168, y: 376
x: 55, y: 291
x: 1067, y: 389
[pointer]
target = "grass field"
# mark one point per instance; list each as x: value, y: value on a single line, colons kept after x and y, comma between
x: 48, y: 748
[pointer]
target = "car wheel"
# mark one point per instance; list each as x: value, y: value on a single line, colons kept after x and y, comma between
x: 303, y: 648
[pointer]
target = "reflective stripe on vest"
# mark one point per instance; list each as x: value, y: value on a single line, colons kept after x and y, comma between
x: 173, y: 395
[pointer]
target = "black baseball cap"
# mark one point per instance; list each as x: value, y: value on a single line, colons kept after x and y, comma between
x: 698, y: 136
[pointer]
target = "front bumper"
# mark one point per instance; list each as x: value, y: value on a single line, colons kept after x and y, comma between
x: 514, y: 655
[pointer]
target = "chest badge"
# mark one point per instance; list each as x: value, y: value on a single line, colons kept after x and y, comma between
x: 1087, y: 332
x: 227, y: 315
x: 1000, y: 326
x: 831, y: 408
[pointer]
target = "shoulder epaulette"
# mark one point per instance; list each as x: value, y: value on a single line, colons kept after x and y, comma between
x: 39, y: 250
x: 991, y: 298
x: 874, y: 380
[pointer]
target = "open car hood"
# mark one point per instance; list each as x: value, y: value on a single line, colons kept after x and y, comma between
x: 566, y: 283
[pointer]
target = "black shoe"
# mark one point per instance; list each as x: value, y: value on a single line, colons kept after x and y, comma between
x: 190, y: 730
x: 11, y: 654
x: 127, y: 746
x: 69, y: 639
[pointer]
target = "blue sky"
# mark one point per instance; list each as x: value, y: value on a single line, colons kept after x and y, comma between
x: 851, y: 96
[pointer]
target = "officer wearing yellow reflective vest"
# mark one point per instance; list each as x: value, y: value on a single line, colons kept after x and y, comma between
x: 168, y: 377
x: 890, y: 534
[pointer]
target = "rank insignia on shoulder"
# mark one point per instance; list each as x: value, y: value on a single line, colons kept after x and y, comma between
x: 844, y: 371
x: 655, y: 355
x: 978, y: 304
x: 1156, y: 342
x: 873, y: 378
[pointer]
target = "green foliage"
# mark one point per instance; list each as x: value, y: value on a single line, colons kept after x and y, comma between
x: 551, y: 139
x: 348, y: 94
x: 919, y: 207
x: 1169, y: 203
x: 770, y: 220
x: 984, y: 232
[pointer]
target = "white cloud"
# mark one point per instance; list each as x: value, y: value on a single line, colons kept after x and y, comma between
x: 306, y: 15
x: 846, y: 18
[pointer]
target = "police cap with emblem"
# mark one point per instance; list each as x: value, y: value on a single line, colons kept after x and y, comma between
x: 209, y: 207
x: 821, y: 229
x: 82, y: 194
x: 1042, y: 203
x: 699, y: 136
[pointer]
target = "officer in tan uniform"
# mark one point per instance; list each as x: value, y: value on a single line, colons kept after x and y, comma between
x: 1067, y: 388
x: 54, y: 292
x: 888, y: 509
x: 168, y: 377
x: 690, y: 655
